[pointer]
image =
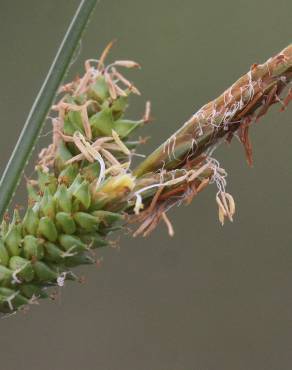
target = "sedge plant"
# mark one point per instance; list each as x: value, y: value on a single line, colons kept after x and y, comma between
x: 85, y: 188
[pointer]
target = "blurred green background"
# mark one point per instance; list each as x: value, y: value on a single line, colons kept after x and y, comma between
x: 211, y: 298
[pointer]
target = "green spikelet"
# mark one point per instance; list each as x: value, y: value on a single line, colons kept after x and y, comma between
x: 53, y: 253
x: 13, y: 240
x: 33, y: 247
x: 99, y: 90
x: 5, y: 276
x: 124, y: 127
x: 91, y: 172
x: 30, y: 222
x: 11, y: 300
x: 4, y: 256
x: 72, y: 243
x: 66, y: 222
x: 62, y: 156
x: 68, y: 174
x: 47, y: 204
x: 32, y: 194
x: 86, y: 221
x: 108, y: 218
x: 32, y: 290
x: 79, y: 259
x: 22, y: 268
x: 82, y: 194
x: 102, y: 122
x: 44, y: 273
x: 47, y: 229
x: 63, y: 199
x: 46, y: 180
x: 94, y: 240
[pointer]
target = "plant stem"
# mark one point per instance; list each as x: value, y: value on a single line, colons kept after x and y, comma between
x: 42, y: 104
x: 260, y: 87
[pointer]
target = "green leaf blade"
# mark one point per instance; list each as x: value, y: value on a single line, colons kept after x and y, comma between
x: 42, y: 104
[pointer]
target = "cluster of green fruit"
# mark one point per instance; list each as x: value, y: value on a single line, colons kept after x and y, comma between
x: 69, y: 214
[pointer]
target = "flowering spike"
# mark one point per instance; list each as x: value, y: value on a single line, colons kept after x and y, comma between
x: 85, y: 189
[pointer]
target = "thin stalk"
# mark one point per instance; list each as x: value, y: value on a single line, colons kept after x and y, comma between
x: 236, y: 107
x: 37, y: 115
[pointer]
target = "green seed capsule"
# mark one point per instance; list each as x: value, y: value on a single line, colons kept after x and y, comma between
x: 32, y: 247
x: 48, y: 229
x: 11, y: 300
x: 124, y: 127
x: 45, y: 180
x: 56, y: 267
x: 99, y: 201
x: 119, y: 106
x: 13, y: 240
x: 43, y: 272
x: 69, y: 127
x: 53, y: 253
x: 79, y: 259
x: 72, y: 243
x: 65, y: 222
x: 75, y: 205
x: 80, y: 99
x: 30, y: 222
x: 99, y: 90
x: 63, y: 199
x: 76, y: 119
x: 16, y: 217
x: 33, y: 195
x: 36, y: 208
x: 94, y: 240
x: 62, y: 156
x: 76, y: 184
x: 47, y: 204
x: 23, y: 267
x: 107, y: 230
x: 82, y: 194
x: 102, y: 123
x: 108, y: 218
x: 86, y: 221
x: 5, y: 275
x: 3, y: 228
x: 4, y: 257
x: 91, y: 172
x: 32, y: 290
x: 68, y: 175
x: 73, y: 121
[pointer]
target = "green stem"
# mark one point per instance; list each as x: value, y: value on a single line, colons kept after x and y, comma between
x: 42, y: 104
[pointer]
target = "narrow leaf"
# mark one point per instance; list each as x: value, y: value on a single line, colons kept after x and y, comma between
x: 42, y: 104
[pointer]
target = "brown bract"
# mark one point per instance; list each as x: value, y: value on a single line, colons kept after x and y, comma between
x: 244, y: 102
x: 232, y: 113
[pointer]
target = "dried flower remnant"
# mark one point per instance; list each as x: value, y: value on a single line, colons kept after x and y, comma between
x: 244, y: 102
x: 231, y: 114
